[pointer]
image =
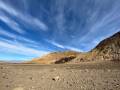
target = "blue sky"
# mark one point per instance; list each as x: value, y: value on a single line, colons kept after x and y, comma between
x: 32, y: 28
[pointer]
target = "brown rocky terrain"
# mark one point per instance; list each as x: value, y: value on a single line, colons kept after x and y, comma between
x: 108, y: 49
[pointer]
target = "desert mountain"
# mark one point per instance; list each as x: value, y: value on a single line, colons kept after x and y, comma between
x: 108, y: 49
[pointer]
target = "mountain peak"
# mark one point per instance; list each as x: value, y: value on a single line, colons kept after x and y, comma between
x: 114, y: 39
x: 117, y: 34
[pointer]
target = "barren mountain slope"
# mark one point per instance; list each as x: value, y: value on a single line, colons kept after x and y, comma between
x: 56, y: 57
x: 108, y: 49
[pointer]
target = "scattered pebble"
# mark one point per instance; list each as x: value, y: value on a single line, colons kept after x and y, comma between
x: 55, y: 78
x: 31, y: 78
x: 70, y: 84
x: 3, y: 74
x: 117, y: 85
x: 1, y: 67
x: 109, y: 70
x: 54, y: 69
x: 7, y: 85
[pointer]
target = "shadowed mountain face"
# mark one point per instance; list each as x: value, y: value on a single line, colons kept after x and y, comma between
x: 108, y: 49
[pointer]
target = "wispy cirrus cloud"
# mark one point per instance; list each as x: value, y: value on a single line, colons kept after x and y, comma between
x: 68, y: 47
x: 56, y: 44
x: 18, y: 44
x: 88, y: 25
x: 17, y: 38
x: 11, y: 23
x: 20, y: 49
x: 25, y: 18
x: 74, y: 48
x: 6, y: 33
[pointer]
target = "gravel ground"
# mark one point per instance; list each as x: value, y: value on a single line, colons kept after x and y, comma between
x: 84, y: 76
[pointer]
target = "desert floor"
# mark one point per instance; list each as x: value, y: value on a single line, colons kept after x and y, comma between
x: 84, y: 76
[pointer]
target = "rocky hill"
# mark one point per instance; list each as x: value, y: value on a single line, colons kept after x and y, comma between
x: 108, y: 49
x: 56, y: 57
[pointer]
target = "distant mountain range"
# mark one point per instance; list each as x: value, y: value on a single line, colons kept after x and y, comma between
x: 108, y: 49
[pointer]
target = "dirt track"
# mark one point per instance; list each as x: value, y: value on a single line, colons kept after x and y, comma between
x: 85, y: 76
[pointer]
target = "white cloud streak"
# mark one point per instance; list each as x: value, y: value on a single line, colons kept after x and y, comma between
x: 74, y: 49
x: 17, y: 38
x: 56, y: 44
x: 12, y: 24
x: 109, y: 23
x: 20, y: 49
x: 8, y: 34
x: 64, y: 46
x: 25, y: 18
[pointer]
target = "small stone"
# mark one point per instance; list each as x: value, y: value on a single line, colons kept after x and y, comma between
x: 56, y: 78
x: 67, y: 82
x: 70, y: 84
x: 109, y: 70
x: 1, y: 67
x: 30, y: 78
x: 7, y: 85
x: 86, y: 70
x: 54, y: 69
x: 3, y: 74
x: 117, y: 85
x: 32, y: 88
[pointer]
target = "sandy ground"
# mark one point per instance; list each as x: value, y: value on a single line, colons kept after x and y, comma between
x: 85, y: 76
